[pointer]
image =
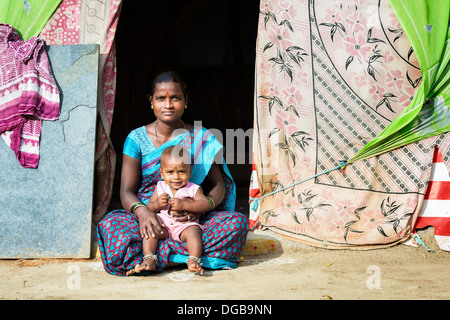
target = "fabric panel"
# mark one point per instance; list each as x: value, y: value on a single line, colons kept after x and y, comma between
x: 329, y: 79
x: 93, y: 21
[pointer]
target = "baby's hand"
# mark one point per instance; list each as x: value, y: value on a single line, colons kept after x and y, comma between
x: 176, y: 204
x: 163, y: 200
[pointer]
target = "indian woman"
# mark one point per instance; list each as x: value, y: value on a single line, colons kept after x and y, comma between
x: 121, y: 232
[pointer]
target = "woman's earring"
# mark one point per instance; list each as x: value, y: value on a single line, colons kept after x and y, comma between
x: 185, y: 106
x: 149, y: 97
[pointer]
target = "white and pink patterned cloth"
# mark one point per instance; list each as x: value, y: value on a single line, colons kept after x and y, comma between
x: 28, y: 94
x: 330, y: 76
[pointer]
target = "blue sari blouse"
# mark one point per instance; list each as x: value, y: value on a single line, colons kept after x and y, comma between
x: 204, y: 149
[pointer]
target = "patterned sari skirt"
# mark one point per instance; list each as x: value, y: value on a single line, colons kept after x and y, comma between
x: 120, y: 243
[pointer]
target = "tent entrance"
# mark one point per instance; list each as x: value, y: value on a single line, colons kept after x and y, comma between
x: 213, y: 44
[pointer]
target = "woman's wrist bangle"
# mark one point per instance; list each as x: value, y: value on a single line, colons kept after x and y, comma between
x: 212, y: 204
x: 136, y: 205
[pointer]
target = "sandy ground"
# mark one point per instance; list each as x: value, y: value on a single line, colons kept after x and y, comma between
x: 291, y: 272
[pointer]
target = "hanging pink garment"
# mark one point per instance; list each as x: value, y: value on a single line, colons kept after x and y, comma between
x: 28, y: 94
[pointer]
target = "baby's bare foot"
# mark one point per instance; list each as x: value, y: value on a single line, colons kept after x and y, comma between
x: 194, y: 265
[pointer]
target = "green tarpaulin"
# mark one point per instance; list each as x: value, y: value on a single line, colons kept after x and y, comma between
x: 28, y: 17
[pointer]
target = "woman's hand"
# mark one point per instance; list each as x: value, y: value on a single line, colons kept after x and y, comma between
x: 184, y: 216
x: 149, y: 224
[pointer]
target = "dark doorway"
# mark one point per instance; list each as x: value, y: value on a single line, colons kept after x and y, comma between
x: 211, y: 43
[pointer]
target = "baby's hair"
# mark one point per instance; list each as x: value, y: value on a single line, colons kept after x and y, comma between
x: 176, y: 152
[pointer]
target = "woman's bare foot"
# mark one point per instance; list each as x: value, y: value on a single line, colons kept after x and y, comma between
x: 194, y: 265
x: 149, y: 264
x: 130, y: 272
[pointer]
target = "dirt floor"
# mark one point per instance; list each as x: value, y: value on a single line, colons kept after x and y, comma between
x: 290, y: 272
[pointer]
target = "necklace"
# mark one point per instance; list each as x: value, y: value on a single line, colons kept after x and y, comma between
x: 156, y: 132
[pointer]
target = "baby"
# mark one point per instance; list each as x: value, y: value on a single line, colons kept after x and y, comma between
x: 176, y: 193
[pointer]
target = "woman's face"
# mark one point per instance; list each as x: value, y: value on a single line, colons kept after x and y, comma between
x: 168, y: 101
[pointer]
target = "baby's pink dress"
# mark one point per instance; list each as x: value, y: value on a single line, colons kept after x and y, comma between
x: 175, y: 227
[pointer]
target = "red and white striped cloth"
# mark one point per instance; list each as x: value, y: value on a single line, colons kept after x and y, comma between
x: 254, y: 193
x: 435, y: 210
x: 436, y: 207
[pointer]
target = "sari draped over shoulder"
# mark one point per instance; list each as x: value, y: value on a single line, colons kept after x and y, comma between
x: 225, y: 231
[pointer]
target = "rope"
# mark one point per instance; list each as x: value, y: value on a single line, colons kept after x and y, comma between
x: 420, y: 242
x: 255, y: 201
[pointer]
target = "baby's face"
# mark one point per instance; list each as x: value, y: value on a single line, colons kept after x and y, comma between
x: 175, y: 173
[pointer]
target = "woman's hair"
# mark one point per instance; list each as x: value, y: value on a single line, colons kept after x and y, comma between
x: 168, y: 76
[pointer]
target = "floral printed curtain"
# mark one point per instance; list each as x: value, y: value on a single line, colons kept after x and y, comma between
x: 330, y: 77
